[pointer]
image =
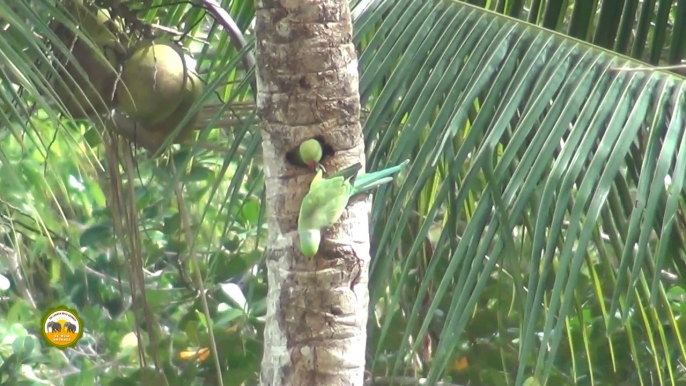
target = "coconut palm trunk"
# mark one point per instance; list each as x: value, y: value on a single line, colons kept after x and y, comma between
x: 308, y: 86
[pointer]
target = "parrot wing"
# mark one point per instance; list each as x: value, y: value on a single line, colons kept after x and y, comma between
x: 349, y: 173
x: 324, y: 204
x: 317, y: 179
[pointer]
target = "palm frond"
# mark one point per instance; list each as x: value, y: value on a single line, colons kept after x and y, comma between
x: 536, y: 134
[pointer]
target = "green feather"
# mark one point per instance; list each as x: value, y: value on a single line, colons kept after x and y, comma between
x: 328, y: 197
x: 369, y: 181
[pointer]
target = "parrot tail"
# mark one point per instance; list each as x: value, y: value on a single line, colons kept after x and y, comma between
x: 309, y: 241
x: 369, y: 181
x: 348, y: 173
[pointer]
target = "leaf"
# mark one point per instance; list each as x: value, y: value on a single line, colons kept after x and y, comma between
x: 121, y: 381
x: 234, y: 292
x: 227, y: 315
x: 231, y: 242
x: 200, y: 354
x: 92, y: 137
x: 172, y: 224
x: 24, y: 346
x: 97, y: 234
x: 531, y: 381
x: 86, y: 376
x: 198, y: 173
x: 129, y: 341
x: 251, y: 211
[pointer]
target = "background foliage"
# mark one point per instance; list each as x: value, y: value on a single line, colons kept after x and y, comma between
x: 60, y: 243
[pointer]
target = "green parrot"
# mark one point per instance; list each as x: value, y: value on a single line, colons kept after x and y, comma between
x: 310, y: 152
x: 328, y: 197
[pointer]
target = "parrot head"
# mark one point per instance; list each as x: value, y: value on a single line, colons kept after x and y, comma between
x: 311, y: 153
x: 309, y: 242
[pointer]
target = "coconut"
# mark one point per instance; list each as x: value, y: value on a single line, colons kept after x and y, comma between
x: 90, y: 76
x: 89, y: 89
x: 161, y: 131
x: 98, y: 24
x: 105, y: 32
x: 152, y: 82
x: 89, y: 80
x: 192, y: 92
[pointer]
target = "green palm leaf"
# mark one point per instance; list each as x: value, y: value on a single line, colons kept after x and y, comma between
x: 536, y: 132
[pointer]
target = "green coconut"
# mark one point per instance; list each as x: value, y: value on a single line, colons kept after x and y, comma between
x: 98, y: 24
x: 152, y: 82
x: 89, y: 77
x: 89, y: 89
x: 192, y: 92
x: 89, y: 80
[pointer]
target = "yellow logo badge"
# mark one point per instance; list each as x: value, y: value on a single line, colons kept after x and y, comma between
x: 62, y: 327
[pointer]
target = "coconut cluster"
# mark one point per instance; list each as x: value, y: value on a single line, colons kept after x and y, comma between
x: 148, y: 80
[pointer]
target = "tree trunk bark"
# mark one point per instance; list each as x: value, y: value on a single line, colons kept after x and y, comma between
x: 307, y: 81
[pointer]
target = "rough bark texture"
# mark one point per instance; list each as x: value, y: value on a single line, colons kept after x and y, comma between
x: 307, y: 81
